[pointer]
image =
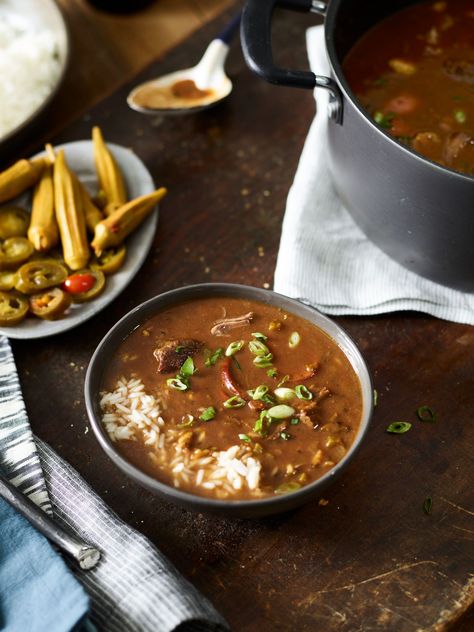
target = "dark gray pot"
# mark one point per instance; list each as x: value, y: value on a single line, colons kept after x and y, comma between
x: 248, y: 508
x: 419, y: 213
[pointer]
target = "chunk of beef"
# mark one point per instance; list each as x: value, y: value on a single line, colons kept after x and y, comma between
x: 171, y: 354
x: 459, y: 69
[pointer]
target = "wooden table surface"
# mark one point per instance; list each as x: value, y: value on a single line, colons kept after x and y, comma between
x: 369, y: 559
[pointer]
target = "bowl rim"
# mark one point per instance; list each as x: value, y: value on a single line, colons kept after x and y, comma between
x: 131, y: 320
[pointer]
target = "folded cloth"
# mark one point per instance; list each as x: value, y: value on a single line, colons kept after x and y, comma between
x: 134, y: 587
x: 37, y: 590
x: 325, y: 259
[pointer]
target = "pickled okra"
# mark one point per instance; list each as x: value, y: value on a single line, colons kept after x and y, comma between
x: 111, y: 232
x: 43, y: 231
x: 70, y: 215
x: 20, y: 177
x: 110, y: 177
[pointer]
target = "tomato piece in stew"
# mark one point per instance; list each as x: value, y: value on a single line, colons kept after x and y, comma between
x: 414, y: 73
x: 231, y: 399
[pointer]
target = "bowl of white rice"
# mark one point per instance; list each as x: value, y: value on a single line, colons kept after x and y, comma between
x: 33, y: 59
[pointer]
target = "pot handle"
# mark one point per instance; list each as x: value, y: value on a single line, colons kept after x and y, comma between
x: 257, y: 48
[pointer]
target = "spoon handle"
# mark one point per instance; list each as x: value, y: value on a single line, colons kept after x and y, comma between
x: 228, y: 31
x: 86, y: 555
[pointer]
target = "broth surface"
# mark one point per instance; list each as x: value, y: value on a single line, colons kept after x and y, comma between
x: 414, y: 73
x: 288, y: 452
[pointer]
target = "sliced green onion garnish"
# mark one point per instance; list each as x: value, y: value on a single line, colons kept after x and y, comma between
x: 258, y: 348
x: 234, y: 347
x: 272, y: 372
x: 425, y: 413
x: 399, y: 427
x: 187, y: 369
x: 263, y: 361
x: 460, y: 116
x: 284, y: 379
x: 259, y: 392
x: 294, y: 340
x: 208, y: 414
x: 262, y: 423
x: 285, y: 488
x: 284, y: 394
x: 281, y: 411
x: 285, y: 436
x: 428, y: 505
x: 244, y: 437
x: 186, y: 421
x: 213, y: 357
x: 302, y: 392
x: 295, y: 421
x: 259, y: 336
x: 178, y: 383
x: 234, y: 402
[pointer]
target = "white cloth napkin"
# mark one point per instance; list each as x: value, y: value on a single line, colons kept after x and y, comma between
x: 326, y: 260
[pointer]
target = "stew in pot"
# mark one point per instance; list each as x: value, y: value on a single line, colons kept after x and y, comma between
x: 414, y: 73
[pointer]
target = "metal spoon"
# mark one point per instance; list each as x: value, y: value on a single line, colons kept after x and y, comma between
x: 84, y: 553
x: 208, y: 76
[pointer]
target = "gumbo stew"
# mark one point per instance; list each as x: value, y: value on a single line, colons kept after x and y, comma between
x: 414, y: 73
x: 231, y: 399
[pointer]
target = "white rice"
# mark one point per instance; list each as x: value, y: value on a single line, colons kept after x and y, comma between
x: 29, y: 69
x: 129, y: 413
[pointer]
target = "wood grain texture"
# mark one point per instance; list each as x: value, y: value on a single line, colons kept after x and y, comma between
x: 370, y: 559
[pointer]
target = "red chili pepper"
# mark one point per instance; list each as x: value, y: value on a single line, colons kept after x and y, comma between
x: 79, y: 283
x: 228, y: 381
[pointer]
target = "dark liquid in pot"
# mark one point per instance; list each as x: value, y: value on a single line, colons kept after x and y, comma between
x: 414, y: 73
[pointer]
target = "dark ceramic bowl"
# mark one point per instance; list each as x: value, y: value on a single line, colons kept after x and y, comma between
x: 239, y: 508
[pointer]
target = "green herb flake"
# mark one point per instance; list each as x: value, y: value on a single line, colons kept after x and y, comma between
x: 285, y: 436
x: 272, y: 372
x: 208, y: 414
x: 234, y: 402
x: 425, y: 413
x: 286, y: 488
x: 303, y: 393
x: 187, y: 369
x: 295, y: 421
x: 179, y: 348
x: 460, y: 116
x: 178, y: 383
x: 236, y: 362
x: 244, y: 437
x: 399, y: 427
x: 259, y: 336
x: 213, y: 357
x: 384, y: 120
x: 428, y: 505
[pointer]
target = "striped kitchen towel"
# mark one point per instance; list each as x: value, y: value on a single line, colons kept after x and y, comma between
x: 324, y: 257
x: 134, y: 587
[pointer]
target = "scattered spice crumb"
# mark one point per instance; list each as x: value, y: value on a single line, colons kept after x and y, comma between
x: 244, y: 192
x: 86, y: 430
x: 266, y: 193
x: 261, y: 251
x: 187, y: 250
x: 323, y: 502
x: 72, y: 364
x: 207, y: 269
x: 266, y: 285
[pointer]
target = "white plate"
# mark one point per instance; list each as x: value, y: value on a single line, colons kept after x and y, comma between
x: 39, y: 15
x: 139, y: 182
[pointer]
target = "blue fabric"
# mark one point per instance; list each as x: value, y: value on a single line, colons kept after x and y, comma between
x: 37, y: 591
